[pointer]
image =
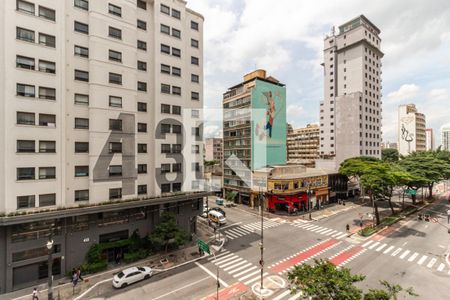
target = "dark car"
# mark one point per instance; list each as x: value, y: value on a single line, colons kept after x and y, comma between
x: 219, y: 210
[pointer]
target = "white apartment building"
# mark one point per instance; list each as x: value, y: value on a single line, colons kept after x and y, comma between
x: 214, y: 149
x: 411, y: 130
x: 350, y: 115
x: 100, y: 101
x: 429, y: 139
x: 445, y: 137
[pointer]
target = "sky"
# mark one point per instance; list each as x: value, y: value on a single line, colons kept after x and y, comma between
x: 285, y: 37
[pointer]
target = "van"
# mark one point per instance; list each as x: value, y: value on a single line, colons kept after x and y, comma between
x: 216, y: 217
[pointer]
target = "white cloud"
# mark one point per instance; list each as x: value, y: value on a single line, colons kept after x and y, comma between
x: 211, y: 131
x: 439, y: 95
x: 405, y: 92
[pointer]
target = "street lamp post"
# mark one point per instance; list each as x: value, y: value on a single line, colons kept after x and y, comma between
x: 50, y: 266
x: 261, y: 262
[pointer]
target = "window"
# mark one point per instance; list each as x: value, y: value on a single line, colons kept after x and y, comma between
x: 142, y: 106
x: 165, y: 29
x: 141, y: 24
x: 25, y: 34
x: 176, y: 52
x: 142, y: 169
x: 195, y: 113
x: 25, y: 118
x: 196, y: 131
x: 142, y: 86
x: 47, y: 93
x: 165, y: 148
x: 115, y: 193
x: 165, y: 108
x: 176, y: 110
x: 81, y: 75
x: 176, y: 148
x: 115, y: 124
x: 194, y: 25
x: 114, y: 10
x: 115, y: 170
x: 195, y: 96
x: 47, y: 66
x: 82, y: 195
x: 195, y: 78
x: 81, y: 147
x: 194, y: 43
x: 115, y: 56
x: 142, y: 4
x: 47, y: 13
x: 165, y: 69
x: 195, y: 149
x: 47, y: 120
x: 81, y: 99
x: 47, y: 200
x: 194, y: 60
x: 25, y: 7
x: 25, y: 90
x: 176, y: 14
x: 47, y: 173
x: 176, y: 168
x: 195, y: 167
x: 81, y: 51
x: 165, y: 49
x: 25, y: 174
x: 176, y: 33
x: 142, y: 148
x: 115, y: 78
x: 165, y: 168
x: 176, y: 187
x: 115, y: 33
x: 176, y: 90
x: 165, y: 128
x: 81, y: 171
x: 83, y: 4
x: 176, y: 71
x: 165, y: 188
x: 165, y: 88
x: 142, y: 65
x: 176, y: 129
x: 142, y: 127
x: 25, y: 201
x: 81, y: 27
x: 81, y: 123
x: 115, y: 101
x: 142, y: 189
x: 25, y: 146
x: 115, y: 147
x: 25, y: 62
x: 165, y: 9
x: 142, y: 45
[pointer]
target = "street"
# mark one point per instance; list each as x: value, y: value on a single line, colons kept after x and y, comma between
x: 410, y: 253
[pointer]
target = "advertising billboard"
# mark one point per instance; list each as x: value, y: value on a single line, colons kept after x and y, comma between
x: 268, y: 124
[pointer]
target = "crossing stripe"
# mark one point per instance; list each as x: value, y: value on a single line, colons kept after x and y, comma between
x: 230, y: 262
x: 341, y: 236
x: 396, y: 252
x: 381, y: 247
x: 367, y: 243
x: 413, y: 257
x: 224, y: 257
x: 248, y: 275
x: 235, y: 232
x: 238, y: 269
x: 322, y: 230
x: 388, y: 250
x: 218, y: 263
x: 332, y: 232
x: 241, y: 230
x: 251, y: 227
x: 326, y: 231
x: 231, y: 235
x: 312, y: 227
x: 432, y: 262
x: 374, y: 245
x: 345, y: 255
x: 441, y: 267
x: 281, y: 296
x: 336, y: 234
x: 404, y: 254
x: 256, y: 278
x: 219, y: 255
x: 422, y: 259
x: 235, y: 265
x: 243, y: 272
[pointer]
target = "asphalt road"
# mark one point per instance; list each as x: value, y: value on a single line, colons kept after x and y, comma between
x: 411, y: 254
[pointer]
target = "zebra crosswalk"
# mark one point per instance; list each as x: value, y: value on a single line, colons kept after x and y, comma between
x: 336, y: 234
x: 242, y: 230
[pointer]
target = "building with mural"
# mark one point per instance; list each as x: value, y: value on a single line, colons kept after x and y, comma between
x: 411, y: 130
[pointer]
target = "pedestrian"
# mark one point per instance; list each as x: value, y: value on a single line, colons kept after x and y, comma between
x: 35, y: 294
x: 361, y: 223
x: 448, y: 216
x: 79, y: 273
x: 347, y: 227
x: 118, y: 258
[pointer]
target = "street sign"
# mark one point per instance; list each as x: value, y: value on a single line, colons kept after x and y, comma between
x: 203, y: 246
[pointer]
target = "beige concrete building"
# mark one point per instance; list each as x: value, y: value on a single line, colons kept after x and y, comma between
x: 303, y: 145
x: 411, y: 130
x: 445, y: 137
x: 429, y: 137
x: 350, y: 115
x: 95, y: 96
x: 214, y: 149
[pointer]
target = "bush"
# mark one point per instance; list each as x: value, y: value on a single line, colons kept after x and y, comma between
x: 94, y: 254
x: 94, y: 267
x: 134, y: 256
x: 367, y: 231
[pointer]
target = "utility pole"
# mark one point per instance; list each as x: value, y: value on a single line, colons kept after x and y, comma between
x: 261, y: 262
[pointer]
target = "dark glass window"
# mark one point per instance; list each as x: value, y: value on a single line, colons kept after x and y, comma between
x: 82, y: 195
x: 81, y: 51
x: 47, y: 13
x: 194, y: 60
x: 165, y: 9
x: 25, y: 90
x: 142, y: 4
x: 142, y: 65
x: 115, y: 33
x: 25, y: 174
x: 165, y: 69
x: 25, y: 202
x: 142, y: 106
x: 83, y: 4
x: 115, y: 78
x: 141, y: 24
x: 165, y: 88
x: 142, y: 127
x: 47, y: 93
x: 115, y: 194
x: 165, y: 108
x: 115, y: 56
x: 176, y: 33
x: 47, y: 120
x: 176, y: 14
x: 114, y: 10
x: 25, y: 62
x: 115, y: 147
x: 142, y: 86
x: 176, y: 52
x: 47, y: 40
x: 142, y: 148
x: 176, y: 71
x: 194, y: 43
x: 194, y: 25
x: 142, y: 45
x: 25, y: 34
x: 176, y: 110
x: 81, y: 147
x: 47, y: 66
x: 165, y: 49
x: 115, y: 124
x: 81, y: 27
x: 115, y: 170
x: 81, y: 75
x: 142, y: 189
x: 25, y: 7
x: 81, y: 123
x: 142, y: 169
x: 165, y: 29
x: 25, y: 146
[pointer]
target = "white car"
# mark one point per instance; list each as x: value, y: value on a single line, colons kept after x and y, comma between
x: 130, y: 276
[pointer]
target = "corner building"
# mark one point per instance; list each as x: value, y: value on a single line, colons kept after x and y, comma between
x: 98, y: 100
x: 350, y: 115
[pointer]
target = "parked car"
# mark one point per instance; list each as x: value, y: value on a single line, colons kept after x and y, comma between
x: 219, y: 210
x: 130, y: 276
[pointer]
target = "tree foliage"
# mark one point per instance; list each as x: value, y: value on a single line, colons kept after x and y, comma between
x: 390, y: 155
x: 167, y: 233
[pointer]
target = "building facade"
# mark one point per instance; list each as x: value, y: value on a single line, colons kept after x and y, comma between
x: 214, y: 149
x: 445, y: 137
x: 99, y: 99
x: 254, y: 130
x: 303, y: 145
x: 411, y: 130
x: 350, y: 115
x: 429, y: 139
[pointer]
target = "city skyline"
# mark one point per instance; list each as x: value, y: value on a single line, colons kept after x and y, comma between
x: 291, y: 49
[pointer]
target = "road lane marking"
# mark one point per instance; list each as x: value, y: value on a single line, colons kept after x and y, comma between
x: 281, y: 296
x: 223, y: 257
x: 327, y: 231
x: 218, y: 263
x: 322, y: 230
x: 230, y: 262
x: 235, y: 232
x: 254, y: 279
x: 432, y: 262
x: 422, y: 260
x: 219, y: 255
x: 388, y: 250
x: 413, y: 257
x: 441, y: 267
x: 332, y: 232
x: 396, y: 252
x: 230, y: 235
x: 341, y: 236
x: 374, y: 245
x: 381, y: 247
x: 245, y: 271
x: 238, y: 269
x: 235, y: 265
x: 231, y: 225
x: 212, y: 274
x: 179, y: 289
x: 241, y: 230
x: 249, y: 275
x: 336, y: 234
x: 404, y: 254
x: 367, y: 243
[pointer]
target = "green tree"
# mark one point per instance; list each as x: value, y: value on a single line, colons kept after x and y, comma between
x: 167, y: 233
x: 324, y: 281
x: 390, y: 155
x: 391, y: 291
